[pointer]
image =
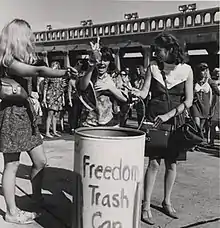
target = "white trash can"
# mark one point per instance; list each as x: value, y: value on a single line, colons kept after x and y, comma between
x: 109, y: 163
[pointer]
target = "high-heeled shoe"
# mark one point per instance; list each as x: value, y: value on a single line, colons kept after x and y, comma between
x: 146, y: 215
x: 169, y: 210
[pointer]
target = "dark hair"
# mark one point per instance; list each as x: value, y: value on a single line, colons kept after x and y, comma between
x: 107, y: 54
x: 168, y: 41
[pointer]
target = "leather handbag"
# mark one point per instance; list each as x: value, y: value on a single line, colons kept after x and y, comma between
x: 186, y: 136
x: 11, y: 90
x: 157, y: 138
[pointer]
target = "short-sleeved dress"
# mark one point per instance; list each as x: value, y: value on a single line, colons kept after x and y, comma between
x: 201, y: 104
x: 55, y: 88
x: 176, y: 76
x: 18, y: 123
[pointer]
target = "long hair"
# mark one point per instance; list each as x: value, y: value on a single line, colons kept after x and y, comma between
x: 170, y: 42
x: 17, y: 42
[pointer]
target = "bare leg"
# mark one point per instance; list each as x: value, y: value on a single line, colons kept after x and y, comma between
x: 48, y: 122
x: 169, y: 179
x: 39, y: 160
x: 8, y: 181
x: 62, y: 113
x: 54, y: 124
x: 149, y: 180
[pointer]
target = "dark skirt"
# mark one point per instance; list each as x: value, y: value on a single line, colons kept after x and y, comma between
x: 17, y: 133
x: 153, y: 153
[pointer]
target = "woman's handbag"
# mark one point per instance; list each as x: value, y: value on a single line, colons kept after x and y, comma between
x: 187, y: 135
x: 157, y: 138
x: 11, y: 90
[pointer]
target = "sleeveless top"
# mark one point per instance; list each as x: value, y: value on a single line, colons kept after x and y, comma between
x: 176, y: 76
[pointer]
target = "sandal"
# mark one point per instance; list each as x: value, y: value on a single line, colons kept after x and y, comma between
x: 22, y: 217
x: 169, y: 210
x: 146, y: 215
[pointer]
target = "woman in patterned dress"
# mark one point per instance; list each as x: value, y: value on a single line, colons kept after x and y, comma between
x: 108, y: 88
x: 18, y: 126
x: 53, y: 100
x: 169, y: 66
x: 204, y: 89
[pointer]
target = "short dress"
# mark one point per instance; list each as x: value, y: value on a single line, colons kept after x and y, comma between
x: 201, y: 104
x: 55, y: 88
x: 18, y: 123
x: 176, y: 76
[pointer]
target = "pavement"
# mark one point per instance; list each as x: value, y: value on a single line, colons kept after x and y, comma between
x: 196, y: 194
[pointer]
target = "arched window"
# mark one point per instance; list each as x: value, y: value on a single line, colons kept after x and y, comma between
x: 70, y: 34
x: 58, y: 35
x: 135, y: 28
x: 198, y: 19
x: 95, y: 31
x: 81, y: 32
x: 189, y: 20
x: 100, y: 30
x: 122, y: 28
x: 54, y: 36
x: 176, y: 22
x: 87, y: 32
x: 37, y: 37
x: 217, y: 16
x: 168, y: 23
x: 142, y: 26
x: 63, y: 34
x: 128, y: 27
x: 76, y: 33
x: 106, y: 30
x: 42, y: 36
x: 112, y: 29
x: 160, y: 24
x: 207, y: 18
x: 48, y: 35
x: 153, y: 25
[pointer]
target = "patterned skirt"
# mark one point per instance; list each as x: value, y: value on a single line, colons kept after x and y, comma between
x: 17, y: 132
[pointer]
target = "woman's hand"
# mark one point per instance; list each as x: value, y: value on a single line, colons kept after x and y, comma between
x: 95, y: 56
x: 136, y: 92
x: 160, y: 119
x: 70, y: 104
x: 44, y: 103
x: 71, y: 71
x: 104, y: 85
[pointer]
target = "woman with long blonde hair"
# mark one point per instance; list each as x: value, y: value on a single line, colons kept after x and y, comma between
x: 18, y: 128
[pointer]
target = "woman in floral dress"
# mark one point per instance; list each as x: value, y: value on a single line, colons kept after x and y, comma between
x: 108, y: 87
x: 53, y: 100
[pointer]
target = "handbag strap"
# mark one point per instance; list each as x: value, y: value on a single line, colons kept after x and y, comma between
x: 167, y: 93
x: 165, y: 82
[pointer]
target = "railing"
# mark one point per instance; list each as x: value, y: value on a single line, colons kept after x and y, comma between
x: 192, y: 19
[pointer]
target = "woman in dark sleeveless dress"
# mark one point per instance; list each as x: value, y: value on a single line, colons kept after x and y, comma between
x: 18, y: 126
x: 169, y: 66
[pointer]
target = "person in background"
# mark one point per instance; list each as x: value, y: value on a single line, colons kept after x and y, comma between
x: 18, y: 127
x: 107, y: 88
x: 215, y: 108
x: 168, y: 67
x: 62, y: 112
x: 53, y: 100
x: 204, y: 88
x: 74, y: 103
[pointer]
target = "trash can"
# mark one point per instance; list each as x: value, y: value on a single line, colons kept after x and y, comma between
x: 108, y: 167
